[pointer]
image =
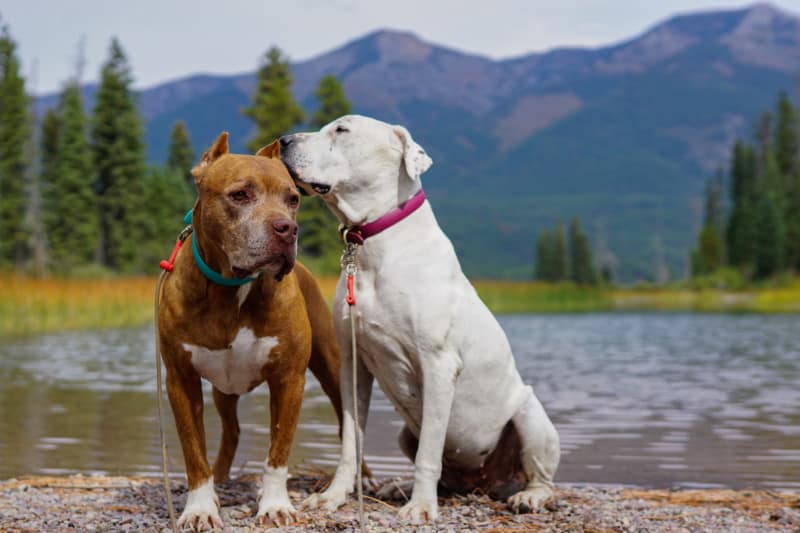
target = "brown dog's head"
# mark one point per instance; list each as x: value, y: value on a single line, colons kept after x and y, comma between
x: 244, y: 217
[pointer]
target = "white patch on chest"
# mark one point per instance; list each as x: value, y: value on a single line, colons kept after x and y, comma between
x: 243, y: 291
x: 234, y: 370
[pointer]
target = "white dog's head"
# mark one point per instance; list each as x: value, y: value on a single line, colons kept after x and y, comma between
x: 360, y: 166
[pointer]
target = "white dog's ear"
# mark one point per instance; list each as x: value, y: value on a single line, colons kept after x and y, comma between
x: 414, y: 157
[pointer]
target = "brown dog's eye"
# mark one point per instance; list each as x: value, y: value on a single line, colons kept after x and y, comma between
x: 294, y: 200
x: 238, y: 196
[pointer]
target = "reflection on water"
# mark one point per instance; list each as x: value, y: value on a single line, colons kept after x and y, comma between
x: 653, y: 400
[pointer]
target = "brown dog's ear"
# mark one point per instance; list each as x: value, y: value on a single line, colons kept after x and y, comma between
x: 217, y: 150
x: 272, y: 150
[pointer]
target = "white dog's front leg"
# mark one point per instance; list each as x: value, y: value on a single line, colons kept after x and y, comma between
x: 439, y: 373
x: 344, y: 480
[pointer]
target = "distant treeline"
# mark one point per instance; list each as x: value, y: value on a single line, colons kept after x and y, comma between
x: 559, y: 258
x: 756, y: 229
x: 76, y: 195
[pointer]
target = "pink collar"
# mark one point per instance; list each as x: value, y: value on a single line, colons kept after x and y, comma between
x: 358, y: 234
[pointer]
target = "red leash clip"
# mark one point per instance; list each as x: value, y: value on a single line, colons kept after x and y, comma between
x: 169, y: 264
x: 351, y: 291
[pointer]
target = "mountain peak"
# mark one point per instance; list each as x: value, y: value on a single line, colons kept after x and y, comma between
x: 766, y: 36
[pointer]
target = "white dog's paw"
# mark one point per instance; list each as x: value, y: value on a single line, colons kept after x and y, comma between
x: 528, y: 500
x: 420, y: 511
x: 276, y: 514
x: 329, y: 500
x: 202, y: 510
x: 397, y: 489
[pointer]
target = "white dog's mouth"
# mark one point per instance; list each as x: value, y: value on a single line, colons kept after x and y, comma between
x: 320, y: 188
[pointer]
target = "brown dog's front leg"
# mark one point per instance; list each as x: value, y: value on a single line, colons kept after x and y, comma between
x: 285, y: 399
x: 226, y: 407
x: 202, y: 505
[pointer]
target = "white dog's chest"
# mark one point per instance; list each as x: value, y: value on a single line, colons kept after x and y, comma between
x: 236, y: 369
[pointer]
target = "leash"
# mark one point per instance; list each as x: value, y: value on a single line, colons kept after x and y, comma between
x: 348, y: 263
x: 166, y: 267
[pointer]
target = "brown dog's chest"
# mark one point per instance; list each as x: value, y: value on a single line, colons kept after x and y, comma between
x: 235, y: 347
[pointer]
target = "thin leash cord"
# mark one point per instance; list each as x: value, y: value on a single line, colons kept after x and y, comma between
x: 350, y: 268
x: 359, y: 437
x: 159, y: 403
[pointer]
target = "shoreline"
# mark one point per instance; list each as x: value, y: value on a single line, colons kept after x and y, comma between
x: 33, y: 306
x: 97, y: 503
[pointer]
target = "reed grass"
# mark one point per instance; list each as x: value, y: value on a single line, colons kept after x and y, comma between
x: 30, y: 305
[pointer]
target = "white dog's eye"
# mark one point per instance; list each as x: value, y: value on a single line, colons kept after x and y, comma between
x: 341, y: 129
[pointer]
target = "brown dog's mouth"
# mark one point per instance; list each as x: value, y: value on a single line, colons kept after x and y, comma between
x: 280, y: 265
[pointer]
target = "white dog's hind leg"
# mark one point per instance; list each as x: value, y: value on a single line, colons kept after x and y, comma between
x: 439, y: 371
x: 540, y: 454
x: 344, y: 480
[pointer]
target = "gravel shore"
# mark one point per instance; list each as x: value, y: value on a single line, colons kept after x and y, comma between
x: 80, y: 503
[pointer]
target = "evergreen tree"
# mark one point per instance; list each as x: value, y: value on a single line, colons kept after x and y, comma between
x: 787, y: 145
x: 73, y: 217
x: 709, y: 254
x: 167, y: 197
x: 118, y: 151
x: 332, y: 102
x: 180, y: 157
x: 319, y: 242
x: 741, y: 231
x: 273, y: 108
x: 543, y: 270
x: 49, y: 150
x: 560, y: 260
x: 770, y: 239
x: 14, y: 136
x: 581, y: 269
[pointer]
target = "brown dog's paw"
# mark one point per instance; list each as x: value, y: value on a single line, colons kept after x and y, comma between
x: 277, y: 516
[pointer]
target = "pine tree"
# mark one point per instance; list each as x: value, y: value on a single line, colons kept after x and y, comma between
x: 709, y: 254
x: 560, y: 261
x: 118, y: 151
x: 49, y: 149
x: 787, y: 145
x: 73, y: 227
x: 167, y: 197
x: 741, y: 230
x: 787, y: 154
x: 180, y: 157
x: 333, y: 103
x: 14, y: 136
x: 770, y: 238
x: 581, y: 269
x: 273, y: 108
x: 543, y: 270
x: 319, y: 241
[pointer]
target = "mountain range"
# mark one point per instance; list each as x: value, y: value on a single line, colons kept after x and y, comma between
x: 622, y: 136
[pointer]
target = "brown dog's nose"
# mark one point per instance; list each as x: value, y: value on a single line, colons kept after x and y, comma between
x: 286, y: 140
x: 285, y: 229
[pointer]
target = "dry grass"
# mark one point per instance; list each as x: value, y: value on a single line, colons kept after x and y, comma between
x: 30, y: 305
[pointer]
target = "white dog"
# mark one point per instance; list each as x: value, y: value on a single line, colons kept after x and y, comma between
x: 423, y: 332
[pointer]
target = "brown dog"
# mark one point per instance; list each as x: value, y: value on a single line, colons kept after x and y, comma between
x: 270, y: 328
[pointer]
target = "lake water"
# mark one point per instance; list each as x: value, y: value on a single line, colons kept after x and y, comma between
x: 654, y: 400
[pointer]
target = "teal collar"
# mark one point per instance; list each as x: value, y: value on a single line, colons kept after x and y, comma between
x: 209, y: 272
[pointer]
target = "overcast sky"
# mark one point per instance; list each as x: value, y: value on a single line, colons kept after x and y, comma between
x: 168, y: 39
